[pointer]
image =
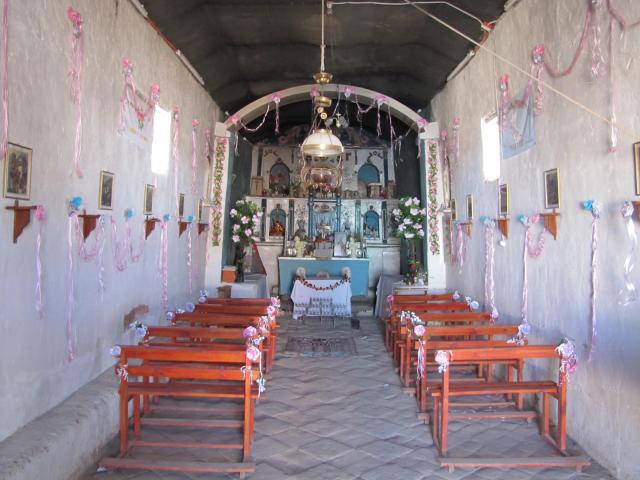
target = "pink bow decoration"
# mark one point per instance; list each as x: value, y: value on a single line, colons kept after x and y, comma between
x: 443, y: 357
x: 419, y: 330
x: 276, y: 97
x: 347, y: 92
x: 253, y: 353
x: 314, y: 92
x: 249, y: 332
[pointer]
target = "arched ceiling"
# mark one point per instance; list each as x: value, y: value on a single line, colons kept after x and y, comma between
x: 245, y: 49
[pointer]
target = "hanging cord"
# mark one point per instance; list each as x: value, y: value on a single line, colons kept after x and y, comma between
x: 627, y: 132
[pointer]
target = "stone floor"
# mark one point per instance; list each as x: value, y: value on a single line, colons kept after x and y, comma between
x: 344, y: 418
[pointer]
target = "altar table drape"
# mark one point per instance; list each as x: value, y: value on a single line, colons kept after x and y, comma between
x: 308, y: 301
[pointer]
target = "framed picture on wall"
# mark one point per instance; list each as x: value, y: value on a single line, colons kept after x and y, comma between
x: 552, y: 188
x: 105, y: 192
x: 200, y: 207
x: 503, y: 200
x: 148, y: 200
x: 17, y: 172
x: 454, y: 209
x: 469, y: 207
x: 181, y: 205
x: 636, y: 165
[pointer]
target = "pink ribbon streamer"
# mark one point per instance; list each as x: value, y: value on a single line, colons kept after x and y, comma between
x: 194, y: 155
x: 189, y: 264
x: 489, y: 263
x: 120, y: 248
x: 130, y: 96
x: 597, y: 59
x: 101, y: 286
x: 163, y: 264
x: 70, y: 333
x: 5, y: 80
x: 175, y: 149
x: 529, y: 250
x: 594, y: 207
x: 422, y: 360
x: 613, y: 134
x: 628, y: 293
x: 460, y: 247
x: 40, y: 215
x: 133, y: 256
x: 75, y: 75
x: 275, y: 98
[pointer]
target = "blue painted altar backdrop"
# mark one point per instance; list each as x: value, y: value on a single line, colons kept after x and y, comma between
x: 359, y: 271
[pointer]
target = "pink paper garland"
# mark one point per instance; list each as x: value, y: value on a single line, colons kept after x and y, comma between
x: 5, y: 80
x: 130, y: 97
x: 75, y: 75
x: 194, y: 154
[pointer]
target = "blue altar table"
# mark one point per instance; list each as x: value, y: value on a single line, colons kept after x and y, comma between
x: 359, y: 271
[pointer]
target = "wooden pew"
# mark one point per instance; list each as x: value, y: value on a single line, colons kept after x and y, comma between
x: 439, y: 318
x: 230, y: 320
x: 461, y: 334
x: 239, y: 301
x: 393, y: 320
x: 549, y: 388
x: 193, y: 373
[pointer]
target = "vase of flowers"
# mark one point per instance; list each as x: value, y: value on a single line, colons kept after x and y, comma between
x: 245, y: 221
x: 410, y: 218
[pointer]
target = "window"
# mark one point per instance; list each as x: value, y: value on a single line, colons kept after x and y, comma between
x: 490, y: 147
x: 161, y: 144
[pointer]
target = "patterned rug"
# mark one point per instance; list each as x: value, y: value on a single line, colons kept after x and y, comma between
x: 320, y: 347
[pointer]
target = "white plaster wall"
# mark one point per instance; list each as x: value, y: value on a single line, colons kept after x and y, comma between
x: 34, y: 375
x: 603, y: 395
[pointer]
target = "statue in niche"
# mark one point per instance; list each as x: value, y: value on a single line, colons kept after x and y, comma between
x: 279, y: 178
x: 371, y: 224
x: 278, y: 222
x: 367, y: 173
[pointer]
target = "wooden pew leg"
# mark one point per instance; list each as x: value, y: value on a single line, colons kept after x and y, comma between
x: 124, y: 421
x: 562, y: 418
x: 136, y: 415
x: 509, y: 396
x: 544, y: 421
x: 520, y: 397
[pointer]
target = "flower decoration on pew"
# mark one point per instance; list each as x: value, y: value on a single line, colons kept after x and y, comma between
x: 275, y: 302
x: 203, y: 296
x: 170, y: 316
x: 249, y: 332
x: 272, y: 313
x: 456, y: 296
x: 140, y: 330
x: 180, y: 310
x: 568, y: 357
x: 520, y: 339
x: 190, y: 307
x: 443, y: 358
x: 324, y: 288
x: 122, y: 372
x: 115, y: 351
x: 389, y: 304
x: 264, y: 324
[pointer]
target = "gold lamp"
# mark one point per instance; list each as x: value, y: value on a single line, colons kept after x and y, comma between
x: 321, y: 142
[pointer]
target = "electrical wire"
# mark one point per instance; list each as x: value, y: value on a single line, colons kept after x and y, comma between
x: 625, y: 131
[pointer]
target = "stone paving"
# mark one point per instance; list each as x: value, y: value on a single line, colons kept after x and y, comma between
x: 346, y: 418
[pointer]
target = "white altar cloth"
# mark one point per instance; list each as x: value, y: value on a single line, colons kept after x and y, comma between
x: 307, y: 301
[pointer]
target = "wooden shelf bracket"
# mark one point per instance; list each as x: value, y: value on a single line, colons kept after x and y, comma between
x: 21, y: 218
x: 550, y: 222
x: 182, y: 227
x: 503, y: 226
x: 89, y: 223
x: 149, y: 225
x: 202, y: 227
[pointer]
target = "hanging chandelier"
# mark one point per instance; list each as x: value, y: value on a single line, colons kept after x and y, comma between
x: 321, y: 142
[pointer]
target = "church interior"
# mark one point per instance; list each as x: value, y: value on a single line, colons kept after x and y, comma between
x: 347, y: 240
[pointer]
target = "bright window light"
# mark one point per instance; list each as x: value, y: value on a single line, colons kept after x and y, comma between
x: 161, y: 145
x: 490, y: 148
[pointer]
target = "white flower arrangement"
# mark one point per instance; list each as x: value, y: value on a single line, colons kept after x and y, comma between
x: 410, y: 218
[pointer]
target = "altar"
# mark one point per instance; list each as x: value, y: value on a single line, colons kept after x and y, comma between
x: 359, y: 267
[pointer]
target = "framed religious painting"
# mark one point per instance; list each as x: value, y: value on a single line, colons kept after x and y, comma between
x: 469, y: 207
x: 181, y: 205
x: 105, y: 192
x: 503, y: 200
x: 454, y: 210
x: 552, y: 188
x: 148, y: 200
x: 17, y: 172
x: 636, y: 165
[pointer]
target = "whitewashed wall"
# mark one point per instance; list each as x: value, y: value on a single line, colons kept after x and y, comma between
x: 603, y: 395
x: 34, y: 375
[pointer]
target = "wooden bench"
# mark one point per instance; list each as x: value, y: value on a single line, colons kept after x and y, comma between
x: 192, y: 373
x: 549, y: 388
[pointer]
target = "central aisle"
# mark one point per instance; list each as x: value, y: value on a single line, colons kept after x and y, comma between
x: 341, y: 417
